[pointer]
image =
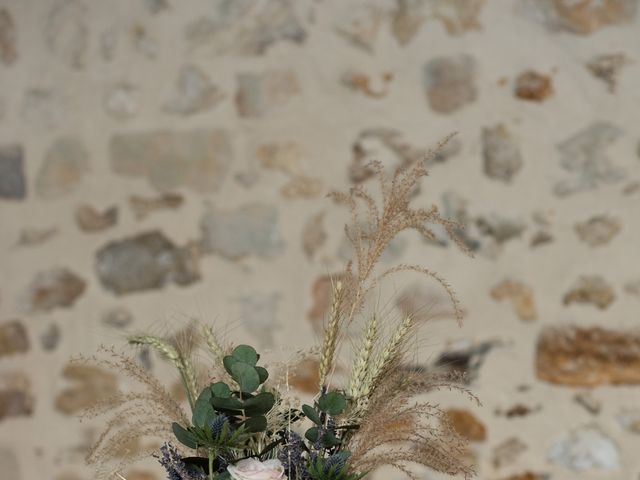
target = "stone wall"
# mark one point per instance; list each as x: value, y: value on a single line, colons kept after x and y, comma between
x: 162, y: 160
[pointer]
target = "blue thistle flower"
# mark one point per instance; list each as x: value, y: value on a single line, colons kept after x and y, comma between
x: 217, y: 424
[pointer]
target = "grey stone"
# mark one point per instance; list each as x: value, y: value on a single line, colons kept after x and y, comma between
x: 465, y: 357
x: 143, y: 42
x: 50, y: 337
x: 147, y: 261
x: 156, y: 6
x: 197, y: 159
x: 583, y: 155
x: 65, y: 164
x: 32, y: 236
x: 261, y: 93
x: 117, y: 317
x: 249, y: 230
x: 194, y: 92
x: 12, y: 181
x: 66, y: 32
x: 8, y: 35
x: 585, y: 449
x: 314, y: 234
x: 121, y: 101
x: 246, y: 27
x: 500, y: 228
x: 449, y: 82
x: 258, y: 313
x: 53, y: 288
x: 144, y: 206
x: 502, y: 158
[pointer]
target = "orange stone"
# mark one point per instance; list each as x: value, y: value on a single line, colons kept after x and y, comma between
x: 534, y: 86
x: 467, y: 425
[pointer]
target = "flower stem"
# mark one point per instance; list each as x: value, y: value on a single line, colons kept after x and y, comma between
x: 210, y: 464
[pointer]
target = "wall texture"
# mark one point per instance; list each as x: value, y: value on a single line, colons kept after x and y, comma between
x: 164, y: 159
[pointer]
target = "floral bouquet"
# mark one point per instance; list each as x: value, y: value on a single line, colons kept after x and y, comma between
x: 243, y: 422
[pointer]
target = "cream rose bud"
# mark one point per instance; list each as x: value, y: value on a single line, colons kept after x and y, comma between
x: 254, y: 469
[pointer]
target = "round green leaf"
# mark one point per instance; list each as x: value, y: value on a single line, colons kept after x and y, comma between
x: 221, y: 389
x: 311, y: 414
x: 259, y: 405
x: 262, y: 373
x: 245, y: 376
x: 312, y: 434
x: 333, y: 403
x: 245, y: 353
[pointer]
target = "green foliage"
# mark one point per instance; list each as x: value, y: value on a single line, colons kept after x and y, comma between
x: 332, y: 468
x: 241, y: 365
x: 227, y: 439
x: 332, y: 403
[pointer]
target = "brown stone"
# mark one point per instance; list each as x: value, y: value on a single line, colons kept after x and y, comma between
x: 261, y: 93
x: 607, y: 68
x: 467, y: 425
x: 587, y: 16
x: 90, y: 385
x: 525, y: 476
x: 13, y: 338
x: 521, y: 297
x: 321, y: 294
x: 591, y: 289
x: 89, y: 219
x: 598, y: 230
x: 140, y: 475
x: 143, y: 206
x: 8, y: 51
x: 16, y: 398
x: 587, y: 357
x: 531, y: 85
x: 450, y: 82
x: 314, y: 234
x: 305, y: 376
x: 507, y: 452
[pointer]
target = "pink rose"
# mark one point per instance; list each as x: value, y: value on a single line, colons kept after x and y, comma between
x: 254, y: 469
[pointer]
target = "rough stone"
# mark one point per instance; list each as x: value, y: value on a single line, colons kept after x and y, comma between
x: 449, y: 82
x: 425, y: 304
x: 588, y: 357
x: 466, y: 424
x: 147, y: 261
x: 122, y: 101
x: 501, y: 152
x: 521, y: 297
x: 13, y: 338
x: 598, y: 230
x: 507, y: 452
x: 143, y: 42
x: 531, y: 85
x: 587, y: 16
x: 465, y: 357
x: 144, y: 206
x: 286, y: 157
x: 16, y: 397
x: 585, y: 449
x: 360, y: 26
x: 361, y: 82
x: 527, y: 476
x: 583, y: 155
x: 156, y: 6
x: 314, y: 234
x: 13, y: 185
x: 629, y: 419
x: 590, y: 403
x: 65, y: 164
x: 632, y: 287
x: 591, y: 289
x: 500, y: 228
x: 261, y: 93
x: 305, y: 376
x: 89, y: 385
x: 541, y: 237
x: 251, y: 229
x: 90, y: 220
x: 406, y: 20
x: 197, y: 159
x: 258, y: 313
x: 607, y: 67
x: 117, y: 317
x: 54, y: 288
x: 458, y: 16
x: 8, y: 48
x: 194, y: 92
x: 50, y: 337
x: 32, y: 236
x: 66, y: 32
x: 247, y: 28
x: 302, y: 186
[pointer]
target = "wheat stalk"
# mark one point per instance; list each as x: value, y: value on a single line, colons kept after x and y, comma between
x: 331, y: 334
x: 361, y: 366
